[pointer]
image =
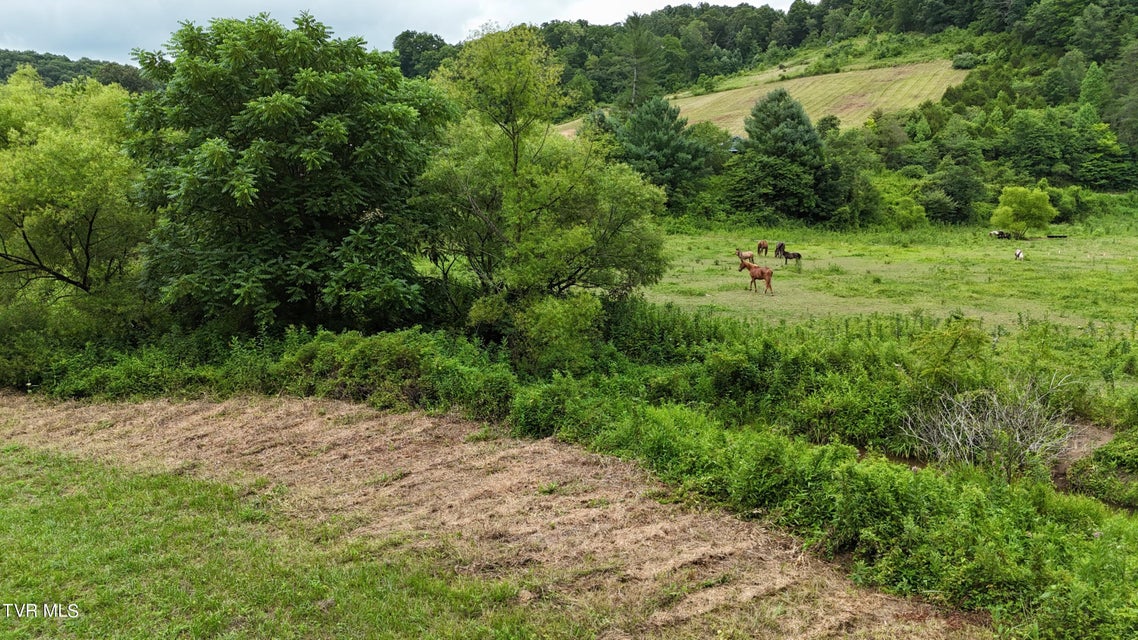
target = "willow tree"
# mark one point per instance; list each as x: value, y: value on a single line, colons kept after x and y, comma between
x: 523, y: 212
x: 279, y: 159
x: 65, y: 215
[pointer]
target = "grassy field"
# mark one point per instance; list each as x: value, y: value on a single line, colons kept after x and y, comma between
x: 160, y: 556
x: 1088, y: 277
x: 850, y: 95
x: 865, y: 84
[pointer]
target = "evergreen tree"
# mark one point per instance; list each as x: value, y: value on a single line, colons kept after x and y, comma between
x: 783, y: 165
x: 655, y: 142
x: 641, y: 55
x: 1094, y: 89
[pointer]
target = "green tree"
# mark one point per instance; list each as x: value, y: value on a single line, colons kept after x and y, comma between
x: 1096, y: 34
x: 512, y: 79
x: 1094, y: 90
x: 1033, y: 142
x: 1022, y: 210
x: 126, y: 76
x: 783, y: 164
x: 654, y: 141
x: 1094, y: 155
x: 555, y: 220
x: 642, y: 60
x: 1062, y: 83
x: 65, y: 215
x: 268, y: 152
x: 420, y: 53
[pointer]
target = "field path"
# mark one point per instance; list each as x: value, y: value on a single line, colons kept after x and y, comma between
x: 586, y: 532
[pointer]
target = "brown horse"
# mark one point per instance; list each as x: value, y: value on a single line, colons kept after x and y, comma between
x: 758, y: 273
x: 779, y: 249
x: 762, y: 249
x: 745, y: 255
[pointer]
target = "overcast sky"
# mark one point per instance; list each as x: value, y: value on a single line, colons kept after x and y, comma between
x: 109, y: 29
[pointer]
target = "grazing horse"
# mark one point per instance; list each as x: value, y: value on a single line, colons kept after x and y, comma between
x: 762, y: 249
x: 758, y: 273
x: 779, y: 249
x: 745, y: 255
x: 787, y: 256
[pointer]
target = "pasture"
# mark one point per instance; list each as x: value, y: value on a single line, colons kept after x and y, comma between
x: 1089, y: 277
x: 850, y: 95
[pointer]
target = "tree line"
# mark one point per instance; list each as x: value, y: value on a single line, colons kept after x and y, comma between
x: 311, y: 181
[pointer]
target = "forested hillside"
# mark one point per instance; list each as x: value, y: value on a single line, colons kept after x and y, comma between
x: 56, y: 69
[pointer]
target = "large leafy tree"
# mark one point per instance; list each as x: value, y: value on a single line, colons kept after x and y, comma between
x: 525, y: 212
x: 65, y: 215
x: 420, y: 53
x: 510, y: 79
x: 1022, y: 210
x: 279, y: 160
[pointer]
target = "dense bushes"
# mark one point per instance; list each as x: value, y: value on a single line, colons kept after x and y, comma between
x: 403, y: 370
x: 1057, y: 566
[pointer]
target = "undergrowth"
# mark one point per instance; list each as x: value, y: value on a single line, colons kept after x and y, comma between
x: 794, y: 424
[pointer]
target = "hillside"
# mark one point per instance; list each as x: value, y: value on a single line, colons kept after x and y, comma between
x: 850, y: 95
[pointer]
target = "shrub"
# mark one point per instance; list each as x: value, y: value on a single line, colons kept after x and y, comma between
x: 966, y: 60
x: 562, y: 407
x: 1012, y: 431
x: 559, y: 334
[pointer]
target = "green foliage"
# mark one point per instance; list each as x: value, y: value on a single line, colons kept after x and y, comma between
x: 566, y: 220
x: 783, y: 164
x: 399, y: 371
x: 966, y: 60
x: 654, y: 141
x: 421, y: 53
x: 54, y: 69
x: 511, y: 79
x: 1111, y: 472
x: 1022, y: 210
x: 559, y: 334
x: 65, y: 213
x: 267, y: 149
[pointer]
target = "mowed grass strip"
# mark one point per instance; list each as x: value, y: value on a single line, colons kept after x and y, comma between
x: 1089, y: 277
x: 160, y: 556
x: 850, y: 95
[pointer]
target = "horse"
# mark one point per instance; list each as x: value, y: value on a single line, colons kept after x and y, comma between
x: 762, y: 248
x: 779, y: 249
x: 787, y: 256
x: 1019, y: 254
x: 758, y: 273
x: 1000, y: 235
x: 745, y: 255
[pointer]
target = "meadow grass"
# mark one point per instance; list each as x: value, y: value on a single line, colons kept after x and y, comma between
x: 850, y: 95
x: 1089, y: 277
x: 158, y: 556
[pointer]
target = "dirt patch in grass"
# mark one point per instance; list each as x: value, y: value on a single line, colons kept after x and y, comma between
x: 587, y: 534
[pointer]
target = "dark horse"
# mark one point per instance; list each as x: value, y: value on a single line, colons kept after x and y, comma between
x: 758, y: 273
x: 762, y: 249
x: 787, y: 256
x: 779, y: 249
